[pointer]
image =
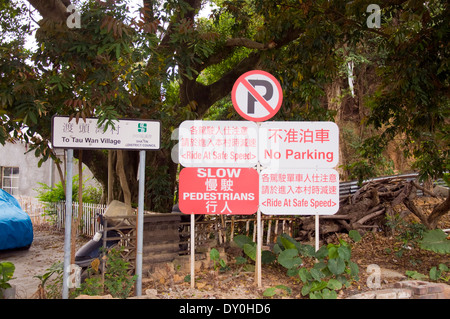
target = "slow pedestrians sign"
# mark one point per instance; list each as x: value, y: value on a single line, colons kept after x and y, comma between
x: 225, y: 190
x: 257, y: 95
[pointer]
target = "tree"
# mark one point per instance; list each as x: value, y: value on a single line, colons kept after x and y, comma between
x: 171, y: 65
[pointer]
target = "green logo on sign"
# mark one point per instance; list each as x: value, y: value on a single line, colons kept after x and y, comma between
x: 142, y: 127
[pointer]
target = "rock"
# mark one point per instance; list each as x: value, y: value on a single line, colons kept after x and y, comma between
x: 151, y: 293
x: 441, y: 191
x: 391, y: 274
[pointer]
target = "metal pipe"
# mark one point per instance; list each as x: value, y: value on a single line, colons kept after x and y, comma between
x: 68, y: 224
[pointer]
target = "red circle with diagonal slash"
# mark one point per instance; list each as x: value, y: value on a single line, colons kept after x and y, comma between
x: 271, y: 109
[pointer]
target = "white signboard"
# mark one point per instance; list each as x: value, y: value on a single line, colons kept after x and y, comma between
x: 128, y: 134
x: 218, y: 144
x: 299, y: 144
x: 299, y: 191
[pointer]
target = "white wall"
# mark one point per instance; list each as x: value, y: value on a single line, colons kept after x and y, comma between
x: 29, y: 173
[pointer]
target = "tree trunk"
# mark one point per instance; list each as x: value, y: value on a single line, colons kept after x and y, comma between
x: 120, y: 169
x: 55, y: 10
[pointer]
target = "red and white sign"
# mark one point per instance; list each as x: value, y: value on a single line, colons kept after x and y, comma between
x: 299, y: 144
x: 299, y: 191
x: 257, y: 95
x: 219, y: 191
x: 218, y: 144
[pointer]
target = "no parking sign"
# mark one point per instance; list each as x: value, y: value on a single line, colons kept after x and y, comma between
x: 257, y: 95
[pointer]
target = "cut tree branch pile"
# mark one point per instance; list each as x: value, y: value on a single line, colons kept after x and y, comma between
x: 367, y: 208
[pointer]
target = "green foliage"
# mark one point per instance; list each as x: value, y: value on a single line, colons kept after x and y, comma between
x: 53, y: 287
x: 174, y: 66
x: 415, y: 275
x: 249, y: 248
x: 277, y: 290
x: 354, y: 235
x: 441, y: 272
x: 332, y: 271
x: 6, y: 274
x: 56, y: 194
x: 409, y: 233
x: 214, y: 255
x: 117, y: 281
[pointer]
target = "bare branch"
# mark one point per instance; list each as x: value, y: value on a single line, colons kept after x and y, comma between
x: 55, y: 10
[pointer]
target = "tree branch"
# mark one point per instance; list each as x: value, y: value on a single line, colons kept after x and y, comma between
x: 55, y: 10
x: 247, y: 43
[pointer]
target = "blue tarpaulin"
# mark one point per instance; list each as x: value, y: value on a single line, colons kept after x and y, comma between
x: 16, y: 229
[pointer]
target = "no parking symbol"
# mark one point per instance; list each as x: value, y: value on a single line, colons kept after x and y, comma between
x: 257, y: 96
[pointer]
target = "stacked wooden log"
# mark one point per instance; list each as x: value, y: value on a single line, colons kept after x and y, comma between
x: 367, y: 208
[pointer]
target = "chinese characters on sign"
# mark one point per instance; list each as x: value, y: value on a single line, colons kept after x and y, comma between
x: 218, y: 144
x: 218, y: 191
x: 299, y: 191
x: 126, y: 134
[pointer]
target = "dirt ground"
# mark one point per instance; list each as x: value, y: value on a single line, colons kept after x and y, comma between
x: 237, y: 282
x: 46, y: 249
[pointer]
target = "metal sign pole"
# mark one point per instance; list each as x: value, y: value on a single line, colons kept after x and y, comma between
x: 317, y: 231
x: 258, y: 235
x: 258, y: 248
x: 68, y: 224
x: 140, y: 223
